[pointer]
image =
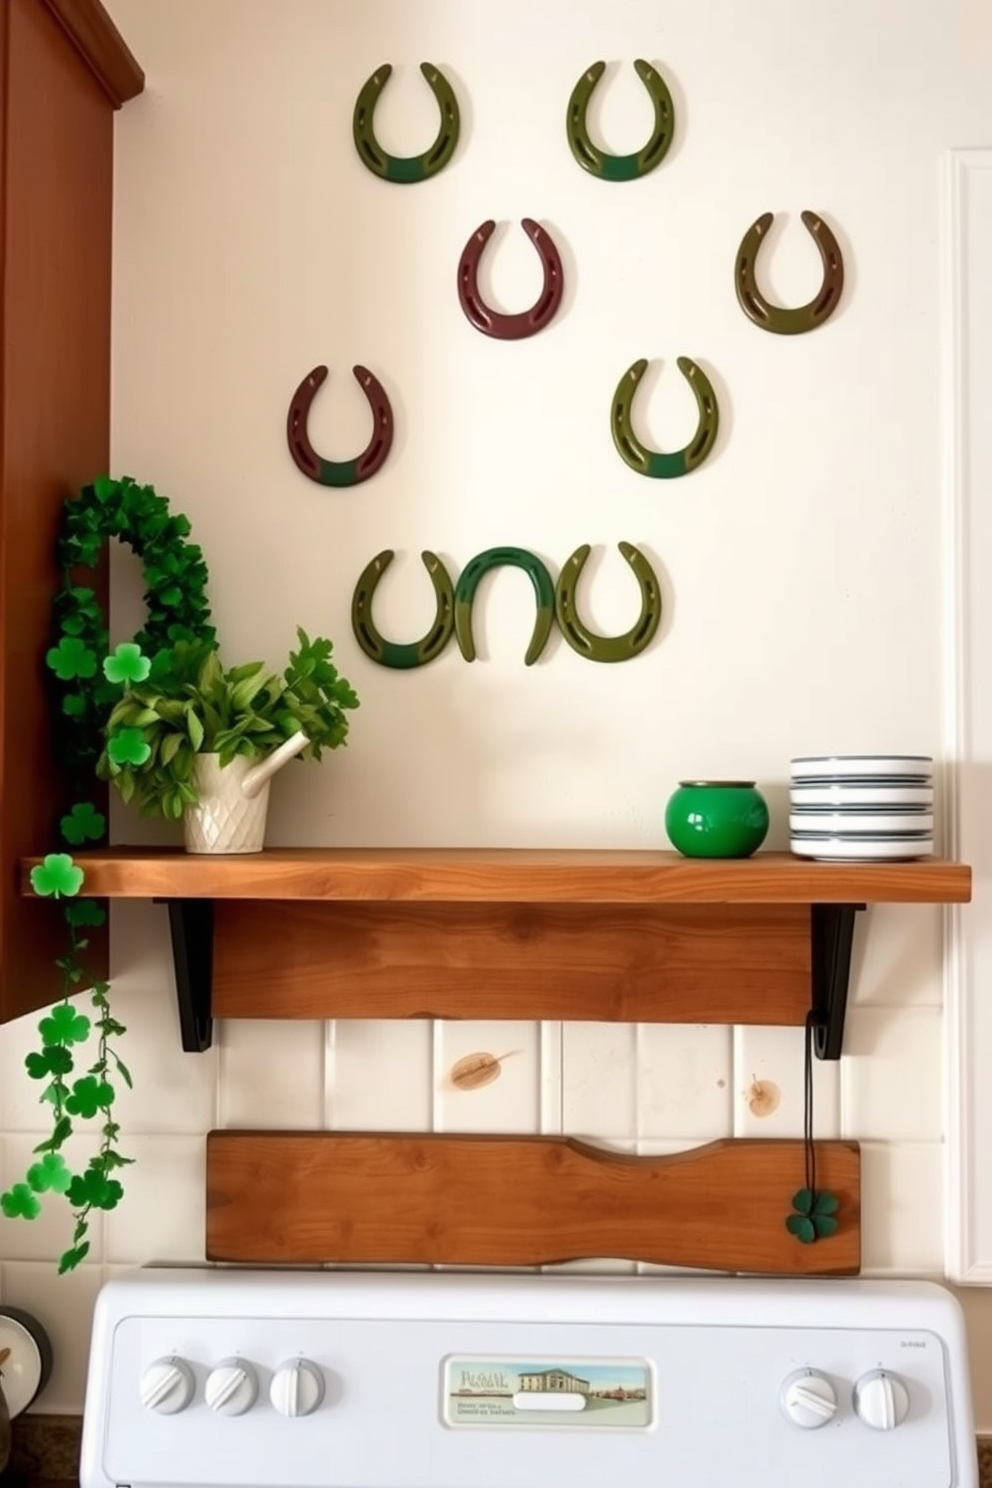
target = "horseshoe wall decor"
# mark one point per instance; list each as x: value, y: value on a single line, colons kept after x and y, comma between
x: 468, y: 583
x: 403, y: 655
x: 340, y: 472
x: 778, y: 318
x: 653, y: 462
x: 620, y: 167
x: 608, y: 648
x: 526, y: 322
x: 405, y: 170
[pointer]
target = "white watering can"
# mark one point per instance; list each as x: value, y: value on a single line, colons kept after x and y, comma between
x: 229, y: 816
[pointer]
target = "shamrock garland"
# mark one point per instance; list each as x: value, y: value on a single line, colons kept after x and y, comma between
x: 176, y: 609
x: 175, y: 599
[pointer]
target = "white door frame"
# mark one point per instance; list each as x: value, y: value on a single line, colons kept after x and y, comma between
x: 967, y: 315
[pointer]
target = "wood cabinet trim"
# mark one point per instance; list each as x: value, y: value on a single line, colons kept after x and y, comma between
x: 101, y: 46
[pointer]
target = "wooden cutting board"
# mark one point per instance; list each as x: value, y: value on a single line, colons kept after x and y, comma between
x: 297, y: 1197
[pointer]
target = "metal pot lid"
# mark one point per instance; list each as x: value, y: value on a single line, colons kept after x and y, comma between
x: 27, y: 1367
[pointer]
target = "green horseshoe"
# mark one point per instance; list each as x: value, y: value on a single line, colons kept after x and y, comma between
x: 394, y: 653
x: 653, y: 462
x: 405, y: 169
x: 468, y: 583
x: 608, y: 648
x: 778, y: 318
x: 620, y: 167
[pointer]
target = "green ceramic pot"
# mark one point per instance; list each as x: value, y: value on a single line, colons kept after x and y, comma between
x: 717, y: 818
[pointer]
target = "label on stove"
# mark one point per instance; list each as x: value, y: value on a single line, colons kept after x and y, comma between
x: 571, y: 1393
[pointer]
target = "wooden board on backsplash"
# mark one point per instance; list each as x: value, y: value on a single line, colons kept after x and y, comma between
x: 300, y: 1197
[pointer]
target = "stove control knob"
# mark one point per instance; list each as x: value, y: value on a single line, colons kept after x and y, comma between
x: 232, y: 1387
x: 167, y: 1386
x: 808, y: 1399
x: 297, y: 1387
x: 881, y: 1400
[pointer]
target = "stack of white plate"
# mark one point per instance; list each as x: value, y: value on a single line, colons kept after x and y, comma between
x: 853, y: 807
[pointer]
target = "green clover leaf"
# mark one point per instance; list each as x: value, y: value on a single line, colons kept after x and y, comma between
x: 64, y: 1026
x: 88, y: 1096
x: 93, y: 1189
x: 85, y: 912
x: 71, y: 658
x: 70, y: 1259
x: 57, y: 874
x: 814, y: 1217
x: 128, y: 747
x: 83, y: 823
x: 55, y: 1060
x: 127, y: 664
x: 61, y: 1132
x: 20, y: 1203
x: 51, y: 1174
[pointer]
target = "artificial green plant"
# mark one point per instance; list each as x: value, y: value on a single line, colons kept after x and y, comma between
x: 182, y: 702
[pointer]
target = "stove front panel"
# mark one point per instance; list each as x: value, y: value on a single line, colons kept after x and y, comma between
x: 525, y: 1381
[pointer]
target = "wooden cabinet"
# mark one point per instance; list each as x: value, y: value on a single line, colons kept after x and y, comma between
x: 64, y: 69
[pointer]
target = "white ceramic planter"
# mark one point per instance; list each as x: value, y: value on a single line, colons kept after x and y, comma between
x: 229, y: 816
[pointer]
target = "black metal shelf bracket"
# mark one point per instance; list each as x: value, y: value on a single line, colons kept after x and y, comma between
x: 832, y: 936
x: 191, y: 924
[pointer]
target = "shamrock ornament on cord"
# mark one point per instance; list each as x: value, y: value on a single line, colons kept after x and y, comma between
x: 814, y: 1215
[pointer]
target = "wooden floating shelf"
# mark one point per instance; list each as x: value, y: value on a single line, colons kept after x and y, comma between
x: 307, y: 1197
x: 510, y: 875
x: 528, y: 934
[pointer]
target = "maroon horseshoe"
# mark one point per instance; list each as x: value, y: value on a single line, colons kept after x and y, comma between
x: 340, y: 472
x: 527, y: 322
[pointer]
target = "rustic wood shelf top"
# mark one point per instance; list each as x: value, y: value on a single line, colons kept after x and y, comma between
x: 511, y: 875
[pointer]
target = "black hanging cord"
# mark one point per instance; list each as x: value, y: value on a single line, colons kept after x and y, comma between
x: 809, y: 1148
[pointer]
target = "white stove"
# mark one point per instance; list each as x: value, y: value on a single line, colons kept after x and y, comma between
x: 358, y: 1379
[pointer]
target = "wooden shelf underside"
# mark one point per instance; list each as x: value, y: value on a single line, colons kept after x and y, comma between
x: 534, y: 876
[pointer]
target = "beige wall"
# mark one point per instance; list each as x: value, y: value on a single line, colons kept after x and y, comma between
x: 801, y: 566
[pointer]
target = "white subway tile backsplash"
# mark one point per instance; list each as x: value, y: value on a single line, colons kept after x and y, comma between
x: 897, y: 959
x: 487, y: 1077
x: 769, y: 1085
x: 163, y: 1216
x: 599, y: 1080
x: 271, y: 1073
x: 684, y: 1081
x: 140, y: 944
x: 891, y: 1075
x: 551, y: 1077
x: 379, y: 1075
x: 174, y: 1091
x: 63, y: 1306
x: 901, y: 1215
